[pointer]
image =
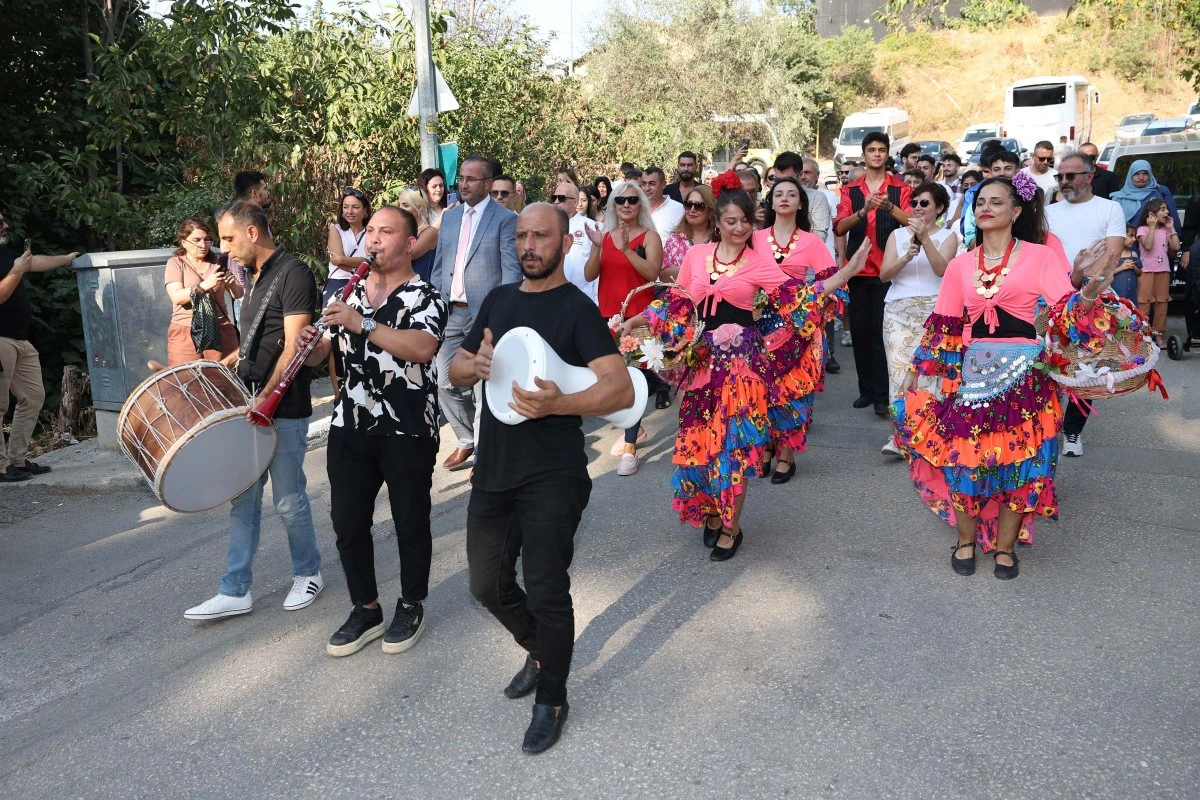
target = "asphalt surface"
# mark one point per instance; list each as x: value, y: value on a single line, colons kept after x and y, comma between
x: 836, y: 656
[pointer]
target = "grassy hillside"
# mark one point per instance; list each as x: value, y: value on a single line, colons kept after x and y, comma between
x: 949, y: 79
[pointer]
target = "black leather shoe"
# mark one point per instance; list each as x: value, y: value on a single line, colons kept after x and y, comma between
x: 963, y: 566
x: 33, y: 468
x: 882, y: 409
x: 711, y: 534
x: 524, y: 681
x: 11, y: 474
x: 862, y: 402
x: 545, y: 728
x: 780, y: 475
x: 1006, y: 573
x: 726, y: 553
x: 662, y: 397
x: 832, y: 367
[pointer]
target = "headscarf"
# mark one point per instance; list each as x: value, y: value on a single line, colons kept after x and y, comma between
x: 1132, y: 198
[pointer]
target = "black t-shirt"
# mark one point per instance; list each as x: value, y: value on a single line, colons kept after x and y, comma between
x: 296, y: 294
x: 511, y: 455
x: 1104, y: 183
x: 16, y: 313
x: 674, y: 191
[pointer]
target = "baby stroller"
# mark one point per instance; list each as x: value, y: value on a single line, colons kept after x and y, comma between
x: 1176, y: 345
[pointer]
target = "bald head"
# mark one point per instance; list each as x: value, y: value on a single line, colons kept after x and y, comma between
x: 546, y: 215
x: 543, y: 237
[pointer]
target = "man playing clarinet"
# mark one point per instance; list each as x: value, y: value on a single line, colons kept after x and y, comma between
x: 531, y: 482
x: 384, y: 430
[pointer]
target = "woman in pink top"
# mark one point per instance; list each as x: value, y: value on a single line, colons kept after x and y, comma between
x: 1156, y: 234
x: 803, y: 256
x: 984, y: 449
x: 737, y: 374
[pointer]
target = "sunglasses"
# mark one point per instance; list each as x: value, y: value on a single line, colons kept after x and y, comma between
x: 562, y: 198
x: 500, y: 194
x: 692, y: 205
x: 627, y: 200
x: 922, y: 203
x: 1045, y: 159
x: 1070, y: 176
x: 350, y: 191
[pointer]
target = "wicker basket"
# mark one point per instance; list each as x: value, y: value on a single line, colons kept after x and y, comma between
x: 671, y: 366
x: 1108, y: 373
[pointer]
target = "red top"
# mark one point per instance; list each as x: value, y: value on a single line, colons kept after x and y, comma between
x: 845, y: 209
x: 739, y: 289
x: 808, y: 250
x: 618, y: 278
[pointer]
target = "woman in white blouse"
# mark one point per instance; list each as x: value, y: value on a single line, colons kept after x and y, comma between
x: 914, y: 261
x: 347, y: 240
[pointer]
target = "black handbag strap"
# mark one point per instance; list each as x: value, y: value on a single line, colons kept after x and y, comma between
x: 252, y: 331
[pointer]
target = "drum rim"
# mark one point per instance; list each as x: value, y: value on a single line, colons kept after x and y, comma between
x: 525, y: 334
x: 154, y: 376
x: 199, y: 428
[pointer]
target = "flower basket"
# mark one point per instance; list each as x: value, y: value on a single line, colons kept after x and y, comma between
x: 1124, y: 364
x: 643, y: 349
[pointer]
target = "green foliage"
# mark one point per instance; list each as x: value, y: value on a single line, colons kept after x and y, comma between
x: 1146, y: 41
x: 905, y: 15
x: 990, y: 15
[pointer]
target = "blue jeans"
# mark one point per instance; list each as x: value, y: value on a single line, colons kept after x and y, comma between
x: 288, y: 486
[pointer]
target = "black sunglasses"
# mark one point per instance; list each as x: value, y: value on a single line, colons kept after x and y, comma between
x: 350, y: 191
x: 922, y: 203
x: 500, y: 194
x: 692, y: 205
x: 627, y: 200
x: 1045, y: 159
x: 1070, y: 176
x: 562, y: 198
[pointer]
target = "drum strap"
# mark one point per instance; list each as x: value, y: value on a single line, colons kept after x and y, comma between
x: 252, y: 331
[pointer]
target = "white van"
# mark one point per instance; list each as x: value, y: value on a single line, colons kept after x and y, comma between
x: 892, y: 121
x: 973, y: 135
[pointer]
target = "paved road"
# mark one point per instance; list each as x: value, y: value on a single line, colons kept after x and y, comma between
x: 836, y: 656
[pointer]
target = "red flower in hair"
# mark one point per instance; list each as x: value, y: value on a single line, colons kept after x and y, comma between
x: 727, y: 180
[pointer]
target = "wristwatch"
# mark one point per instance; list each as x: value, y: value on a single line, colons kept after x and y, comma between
x: 368, y: 325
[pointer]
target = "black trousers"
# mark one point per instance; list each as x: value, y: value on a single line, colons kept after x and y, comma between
x: 358, y: 466
x: 866, y: 332
x: 1074, y: 419
x: 536, y: 521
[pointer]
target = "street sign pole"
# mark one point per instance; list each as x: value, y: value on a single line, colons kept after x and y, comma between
x: 426, y: 89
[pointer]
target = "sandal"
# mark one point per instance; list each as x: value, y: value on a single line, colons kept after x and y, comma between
x: 963, y: 566
x: 1006, y: 573
x: 780, y: 476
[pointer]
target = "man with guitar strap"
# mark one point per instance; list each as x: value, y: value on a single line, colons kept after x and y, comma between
x: 871, y: 208
x: 277, y: 306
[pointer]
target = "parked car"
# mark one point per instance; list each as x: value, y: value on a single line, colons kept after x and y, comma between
x: 935, y: 149
x: 1105, y: 157
x: 1132, y: 125
x: 892, y: 121
x: 1161, y: 126
x: 974, y: 134
x: 1009, y: 143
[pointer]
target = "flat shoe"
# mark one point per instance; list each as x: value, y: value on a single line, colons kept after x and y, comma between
x: 862, y: 402
x: 619, y: 445
x: 726, y: 553
x: 783, y: 477
x: 544, y: 729
x: 459, y: 458
x: 710, y: 534
x: 1006, y: 573
x: 524, y: 681
x: 963, y: 566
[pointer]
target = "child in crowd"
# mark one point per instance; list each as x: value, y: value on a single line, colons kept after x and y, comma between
x: 1129, y: 268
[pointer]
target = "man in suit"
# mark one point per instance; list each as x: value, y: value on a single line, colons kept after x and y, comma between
x: 476, y: 252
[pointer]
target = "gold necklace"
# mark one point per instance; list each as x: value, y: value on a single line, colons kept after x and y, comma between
x: 781, y: 253
x: 718, y: 269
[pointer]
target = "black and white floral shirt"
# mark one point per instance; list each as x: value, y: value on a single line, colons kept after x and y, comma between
x: 381, y: 395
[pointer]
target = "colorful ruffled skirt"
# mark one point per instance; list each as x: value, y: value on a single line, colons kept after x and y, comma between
x: 991, y: 444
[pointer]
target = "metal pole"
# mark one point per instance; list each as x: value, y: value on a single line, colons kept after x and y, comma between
x: 426, y: 85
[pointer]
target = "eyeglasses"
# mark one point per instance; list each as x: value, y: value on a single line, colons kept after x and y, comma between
x: 562, y: 198
x: 627, y: 200
x: 468, y: 179
x: 1045, y: 159
x: 198, y: 242
x: 922, y: 203
x: 350, y: 191
x: 1070, y: 176
x: 692, y: 205
x: 500, y: 194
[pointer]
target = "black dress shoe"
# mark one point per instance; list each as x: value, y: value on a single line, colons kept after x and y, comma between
x: 662, y: 397
x: 33, y: 468
x: 832, y: 367
x: 783, y: 477
x: 545, y: 728
x: 726, y: 553
x: 963, y: 566
x: 524, y: 681
x: 11, y: 474
x: 711, y: 534
x: 862, y: 402
x: 1006, y: 573
x: 882, y: 409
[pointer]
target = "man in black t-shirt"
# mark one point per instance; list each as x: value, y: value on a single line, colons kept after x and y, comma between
x: 278, y: 304
x: 20, y: 367
x: 685, y: 177
x: 531, y: 483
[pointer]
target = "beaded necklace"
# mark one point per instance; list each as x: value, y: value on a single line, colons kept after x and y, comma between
x: 719, y: 269
x: 988, y: 280
x: 781, y: 253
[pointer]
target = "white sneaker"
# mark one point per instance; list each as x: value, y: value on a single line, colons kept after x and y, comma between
x: 847, y: 340
x: 1073, y: 446
x: 628, y: 465
x: 222, y: 605
x: 305, y: 589
x: 890, y: 448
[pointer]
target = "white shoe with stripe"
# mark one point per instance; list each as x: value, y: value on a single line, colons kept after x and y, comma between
x: 305, y: 589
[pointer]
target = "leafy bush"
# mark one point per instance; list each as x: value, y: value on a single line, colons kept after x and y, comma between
x: 990, y: 15
x: 169, y: 207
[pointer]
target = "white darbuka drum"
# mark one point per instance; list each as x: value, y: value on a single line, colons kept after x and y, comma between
x: 185, y: 429
x: 522, y: 355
